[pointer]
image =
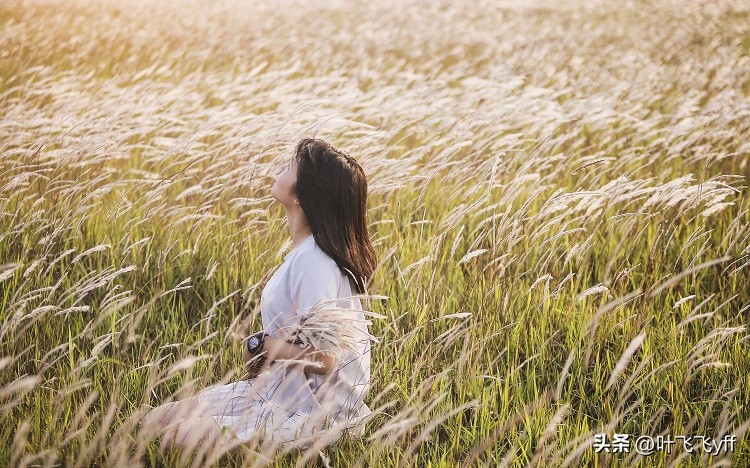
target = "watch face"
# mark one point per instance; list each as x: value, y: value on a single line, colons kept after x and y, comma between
x: 253, y: 343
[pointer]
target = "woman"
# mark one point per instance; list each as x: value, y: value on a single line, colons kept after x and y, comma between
x: 323, y: 191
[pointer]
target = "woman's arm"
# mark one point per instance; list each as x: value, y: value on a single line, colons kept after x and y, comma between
x: 276, y: 348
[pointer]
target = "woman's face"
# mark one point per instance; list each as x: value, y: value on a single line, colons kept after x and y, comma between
x: 285, y: 180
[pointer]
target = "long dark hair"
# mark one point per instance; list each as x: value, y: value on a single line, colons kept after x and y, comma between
x: 332, y: 191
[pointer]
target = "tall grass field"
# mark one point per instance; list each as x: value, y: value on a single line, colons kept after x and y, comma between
x: 558, y: 198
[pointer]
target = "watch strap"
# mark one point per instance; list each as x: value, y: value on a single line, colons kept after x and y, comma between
x: 261, y: 337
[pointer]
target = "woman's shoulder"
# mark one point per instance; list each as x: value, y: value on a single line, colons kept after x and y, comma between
x: 311, y: 258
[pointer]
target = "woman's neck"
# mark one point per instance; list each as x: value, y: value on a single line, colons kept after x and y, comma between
x: 298, y: 227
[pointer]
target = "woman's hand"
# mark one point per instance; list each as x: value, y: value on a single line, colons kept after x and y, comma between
x: 276, y: 348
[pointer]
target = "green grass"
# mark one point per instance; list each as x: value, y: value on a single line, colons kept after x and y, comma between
x: 516, y: 159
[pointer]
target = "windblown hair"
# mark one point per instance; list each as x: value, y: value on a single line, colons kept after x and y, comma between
x: 332, y: 191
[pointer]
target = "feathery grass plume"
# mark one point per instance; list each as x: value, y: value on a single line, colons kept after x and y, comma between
x: 622, y: 363
x: 330, y: 329
x: 599, y: 288
x: 8, y: 270
x: 326, y: 328
x: 564, y: 374
x: 549, y: 432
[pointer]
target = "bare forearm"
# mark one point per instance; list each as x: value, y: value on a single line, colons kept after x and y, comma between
x: 277, y: 348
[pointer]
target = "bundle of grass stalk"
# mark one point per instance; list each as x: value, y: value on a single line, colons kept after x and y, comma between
x: 325, y: 328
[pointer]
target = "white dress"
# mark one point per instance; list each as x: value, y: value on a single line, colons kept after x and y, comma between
x: 287, y: 406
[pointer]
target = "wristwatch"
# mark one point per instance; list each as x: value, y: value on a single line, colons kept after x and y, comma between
x: 254, y: 342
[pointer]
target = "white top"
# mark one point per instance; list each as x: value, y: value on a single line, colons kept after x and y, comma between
x: 308, y: 275
x: 287, y: 405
